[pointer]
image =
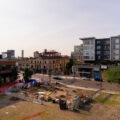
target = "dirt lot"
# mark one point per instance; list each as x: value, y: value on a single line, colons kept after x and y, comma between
x: 104, y: 107
x: 83, y: 83
x: 92, y: 84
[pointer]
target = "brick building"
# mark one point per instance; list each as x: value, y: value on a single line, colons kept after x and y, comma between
x: 6, y: 70
x: 48, y: 62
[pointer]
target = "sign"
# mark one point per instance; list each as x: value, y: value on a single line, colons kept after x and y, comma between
x: 104, y: 67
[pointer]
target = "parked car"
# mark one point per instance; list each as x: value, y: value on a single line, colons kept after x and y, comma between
x: 85, y: 78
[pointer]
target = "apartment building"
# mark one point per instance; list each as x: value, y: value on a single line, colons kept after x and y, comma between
x: 115, y: 48
x: 77, y: 54
x: 10, y: 54
x: 101, y: 50
x: 88, y: 49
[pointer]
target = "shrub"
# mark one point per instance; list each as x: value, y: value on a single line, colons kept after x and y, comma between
x: 112, y: 75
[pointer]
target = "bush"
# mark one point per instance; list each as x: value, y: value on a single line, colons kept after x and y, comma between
x: 27, y: 74
x: 112, y: 75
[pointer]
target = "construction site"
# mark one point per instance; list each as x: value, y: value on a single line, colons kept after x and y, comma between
x: 54, y: 101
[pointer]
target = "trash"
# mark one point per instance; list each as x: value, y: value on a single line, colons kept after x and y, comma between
x: 76, y: 101
x: 49, y: 99
x: 41, y: 93
x: 31, y: 116
x: 73, y: 90
x: 55, y: 101
x: 54, y: 92
x: 62, y: 96
x: 62, y: 105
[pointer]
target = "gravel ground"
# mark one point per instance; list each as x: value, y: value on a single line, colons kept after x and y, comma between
x: 83, y: 83
x: 92, y: 84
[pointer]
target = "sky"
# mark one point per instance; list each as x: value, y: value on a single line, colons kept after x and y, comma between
x: 35, y: 25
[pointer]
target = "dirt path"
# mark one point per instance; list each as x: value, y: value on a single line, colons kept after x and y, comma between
x: 92, y: 89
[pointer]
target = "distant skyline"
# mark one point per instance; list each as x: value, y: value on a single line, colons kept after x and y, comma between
x: 35, y: 25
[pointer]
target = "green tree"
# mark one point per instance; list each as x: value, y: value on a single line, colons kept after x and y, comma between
x: 69, y: 66
x: 112, y: 75
x: 27, y: 74
x: 15, y: 73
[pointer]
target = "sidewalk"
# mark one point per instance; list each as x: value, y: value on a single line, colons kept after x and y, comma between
x: 92, y: 89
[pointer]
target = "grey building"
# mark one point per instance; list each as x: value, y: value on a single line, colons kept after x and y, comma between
x: 22, y: 53
x: 10, y: 54
x: 102, y: 49
x: 36, y: 54
x: 88, y: 49
x: 77, y: 54
x: 115, y: 48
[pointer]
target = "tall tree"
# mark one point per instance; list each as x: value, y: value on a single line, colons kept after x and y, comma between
x: 27, y: 74
x: 69, y: 66
x: 15, y: 73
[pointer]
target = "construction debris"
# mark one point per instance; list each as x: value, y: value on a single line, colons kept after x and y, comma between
x: 67, y: 98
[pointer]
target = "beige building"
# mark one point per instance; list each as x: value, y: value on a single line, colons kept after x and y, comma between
x: 53, y: 65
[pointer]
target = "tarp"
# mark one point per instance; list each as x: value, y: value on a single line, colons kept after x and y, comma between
x: 31, y: 80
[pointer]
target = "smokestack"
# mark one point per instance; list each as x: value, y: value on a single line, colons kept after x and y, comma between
x: 22, y: 54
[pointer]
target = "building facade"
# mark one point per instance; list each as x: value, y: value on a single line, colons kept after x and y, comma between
x: 88, y: 49
x: 48, y: 61
x: 6, y: 70
x: 45, y: 65
x: 36, y: 54
x: 115, y: 48
x: 10, y: 54
x: 78, y: 53
x: 101, y: 50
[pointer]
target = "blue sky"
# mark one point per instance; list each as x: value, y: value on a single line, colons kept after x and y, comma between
x: 55, y: 24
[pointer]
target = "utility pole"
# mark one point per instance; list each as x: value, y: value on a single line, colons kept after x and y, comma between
x: 101, y: 85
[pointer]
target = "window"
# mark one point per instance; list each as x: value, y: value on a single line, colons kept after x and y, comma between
x: 106, y: 47
x: 116, y: 51
x: 98, y: 42
x: 86, y: 47
x: 98, y: 47
x: 98, y: 52
x: 117, y: 57
x: 117, y: 46
x: 86, y: 57
x: 106, y: 52
x: 86, y: 53
x: 92, y: 41
x: 107, y: 42
x: 86, y: 42
x: 117, y: 41
x: 99, y: 57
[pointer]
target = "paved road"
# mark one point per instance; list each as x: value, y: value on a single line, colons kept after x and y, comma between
x: 82, y: 83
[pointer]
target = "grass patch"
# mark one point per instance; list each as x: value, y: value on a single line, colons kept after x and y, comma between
x: 107, y: 99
